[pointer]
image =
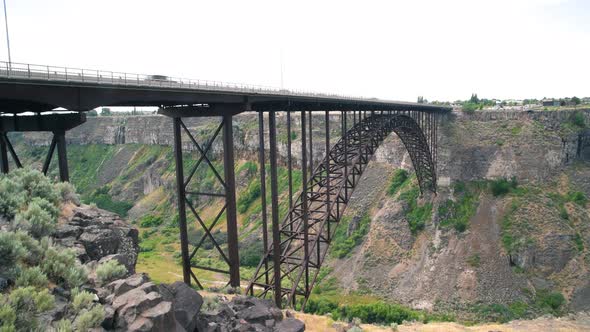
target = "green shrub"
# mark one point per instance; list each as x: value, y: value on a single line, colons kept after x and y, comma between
x: 251, y: 254
x: 103, y: 200
x: 64, y: 325
x: 470, y: 107
x: 110, y: 271
x: 370, y: 313
x: 457, y: 214
x: 251, y: 194
x: 577, y: 119
x: 36, y: 221
x: 11, y: 251
x: 28, y: 303
x: 416, y: 215
x: 33, y: 249
x: 399, y: 178
x: 577, y: 197
x: 502, y: 186
x: 67, y: 192
x: 46, y: 206
x: 63, y: 268
x: 90, y: 318
x: 82, y: 300
x: 343, y: 243
x: 35, y: 184
x: 11, y: 197
x: 32, y: 276
x: 549, y: 300
x: 7, y: 318
x: 151, y: 221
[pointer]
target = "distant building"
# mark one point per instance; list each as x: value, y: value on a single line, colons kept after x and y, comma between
x: 550, y: 102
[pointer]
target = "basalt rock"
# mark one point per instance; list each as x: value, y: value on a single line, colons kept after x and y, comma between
x: 244, y: 313
x: 97, y: 235
x: 137, y: 304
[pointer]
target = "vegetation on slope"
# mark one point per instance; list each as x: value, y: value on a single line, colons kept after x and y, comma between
x: 417, y: 214
x: 456, y: 213
x: 32, y: 264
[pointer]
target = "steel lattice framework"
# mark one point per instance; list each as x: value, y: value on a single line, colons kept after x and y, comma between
x: 306, y: 232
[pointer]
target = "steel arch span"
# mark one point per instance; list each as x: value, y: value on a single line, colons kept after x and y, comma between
x: 290, y: 270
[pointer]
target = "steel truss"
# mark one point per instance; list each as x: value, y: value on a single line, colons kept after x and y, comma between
x: 290, y: 266
x: 186, y: 196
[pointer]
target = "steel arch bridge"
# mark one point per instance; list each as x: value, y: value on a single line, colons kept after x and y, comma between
x: 291, y: 268
x: 31, y: 94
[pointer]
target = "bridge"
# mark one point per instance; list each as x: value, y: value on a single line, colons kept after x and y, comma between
x: 55, y: 99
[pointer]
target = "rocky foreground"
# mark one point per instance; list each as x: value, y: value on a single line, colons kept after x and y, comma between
x: 135, y: 303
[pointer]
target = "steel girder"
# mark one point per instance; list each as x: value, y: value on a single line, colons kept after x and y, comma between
x: 307, y: 230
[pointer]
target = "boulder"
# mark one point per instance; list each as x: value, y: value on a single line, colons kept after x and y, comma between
x: 137, y: 304
x: 187, y: 303
x: 244, y: 313
x: 290, y: 325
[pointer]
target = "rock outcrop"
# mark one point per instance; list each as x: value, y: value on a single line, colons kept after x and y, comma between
x: 98, y: 235
x: 243, y: 313
x: 137, y: 304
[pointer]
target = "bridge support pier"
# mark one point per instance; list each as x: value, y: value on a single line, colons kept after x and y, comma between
x: 58, y: 124
x: 187, y: 193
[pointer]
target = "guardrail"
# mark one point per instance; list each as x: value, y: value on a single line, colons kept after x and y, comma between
x: 64, y: 74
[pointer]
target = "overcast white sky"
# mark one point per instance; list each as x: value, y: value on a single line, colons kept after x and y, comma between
x: 443, y: 50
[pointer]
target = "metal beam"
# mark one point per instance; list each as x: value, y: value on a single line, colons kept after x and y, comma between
x: 3, y: 153
x: 42, y: 122
x: 62, y: 157
x: 181, y: 196
x: 276, y: 239
x: 230, y: 201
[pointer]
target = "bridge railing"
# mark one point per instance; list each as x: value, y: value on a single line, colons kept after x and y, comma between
x: 66, y: 74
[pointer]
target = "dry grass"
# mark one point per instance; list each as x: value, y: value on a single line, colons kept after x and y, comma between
x: 315, y: 323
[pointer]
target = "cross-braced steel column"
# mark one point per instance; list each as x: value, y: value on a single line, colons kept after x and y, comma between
x: 188, y: 195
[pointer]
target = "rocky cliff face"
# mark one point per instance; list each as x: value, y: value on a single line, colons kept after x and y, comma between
x: 472, y: 146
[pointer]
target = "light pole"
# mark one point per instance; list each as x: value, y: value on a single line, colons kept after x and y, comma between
x: 7, y: 39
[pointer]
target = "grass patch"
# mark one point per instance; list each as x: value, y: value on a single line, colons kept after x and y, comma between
x: 103, y: 200
x: 542, y: 303
x: 342, y: 243
x: 400, y: 177
x: 503, y: 186
x: 150, y: 221
x: 374, y: 312
x: 249, y: 196
x: 457, y: 213
x: 474, y: 260
x: 416, y: 215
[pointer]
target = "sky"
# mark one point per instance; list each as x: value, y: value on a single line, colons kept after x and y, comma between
x: 397, y: 50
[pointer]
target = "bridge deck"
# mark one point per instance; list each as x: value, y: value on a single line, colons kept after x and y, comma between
x: 27, y: 87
